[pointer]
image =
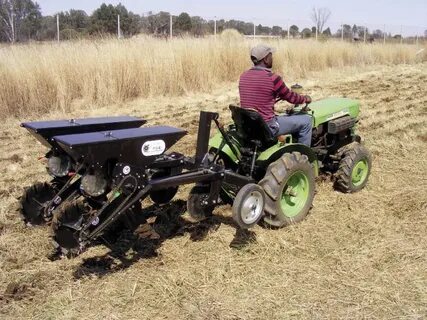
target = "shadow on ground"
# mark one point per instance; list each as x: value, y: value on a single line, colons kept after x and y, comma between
x: 143, y: 236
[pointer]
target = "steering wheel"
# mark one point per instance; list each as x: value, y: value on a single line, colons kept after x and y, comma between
x: 291, y: 109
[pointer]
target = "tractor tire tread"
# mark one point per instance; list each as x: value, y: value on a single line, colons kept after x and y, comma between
x: 272, y: 184
x: 350, y: 155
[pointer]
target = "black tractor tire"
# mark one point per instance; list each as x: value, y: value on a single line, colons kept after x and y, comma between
x: 353, y: 156
x: 278, y: 193
x: 34, y: 200
x: 198, y: 211
x: 248, y: 206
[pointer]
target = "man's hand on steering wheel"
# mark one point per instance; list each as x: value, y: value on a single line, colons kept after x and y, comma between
x: 307, y: 102
x: 291, y: 109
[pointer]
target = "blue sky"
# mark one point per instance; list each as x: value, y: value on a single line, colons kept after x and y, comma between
x: 412, y: 14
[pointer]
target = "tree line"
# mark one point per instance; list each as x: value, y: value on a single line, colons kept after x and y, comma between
x: 22, y: 20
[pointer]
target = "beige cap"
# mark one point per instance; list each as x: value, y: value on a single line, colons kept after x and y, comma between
x: 261, y: 51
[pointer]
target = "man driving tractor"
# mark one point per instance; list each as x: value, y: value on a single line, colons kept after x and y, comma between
x: 260, y: 89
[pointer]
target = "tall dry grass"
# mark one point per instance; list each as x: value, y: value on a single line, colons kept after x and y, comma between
x: 37, y: 78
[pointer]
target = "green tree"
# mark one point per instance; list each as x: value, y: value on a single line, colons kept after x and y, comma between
x: 73, y: 24
x: 104, y: 20
x: 347, y: 31
x: 264, y: 30
x: 294, y: 30
x: 156, y: 23
x: 130, y: 22
x: 47, y: 28
x: 20, y: 20
x: 306, y: 33
x: 77, y: 19
x: 327, y: 32
x: 377, y: 34
x: 276, y: 31
x: 200, y: 27
x: 183, y: 22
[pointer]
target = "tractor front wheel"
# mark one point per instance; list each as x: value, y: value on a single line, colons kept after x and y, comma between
x: 289, y: 185
x: 354, y: 169
x: 248, y: 206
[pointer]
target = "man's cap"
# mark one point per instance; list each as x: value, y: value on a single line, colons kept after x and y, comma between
x: 261, y: 51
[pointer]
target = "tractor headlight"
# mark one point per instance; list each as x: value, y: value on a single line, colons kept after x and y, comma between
x: 59, y: 166
x: 93, y: 184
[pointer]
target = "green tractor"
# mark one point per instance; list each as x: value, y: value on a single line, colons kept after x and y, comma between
x: 283, y: 169
x: 262, y: 176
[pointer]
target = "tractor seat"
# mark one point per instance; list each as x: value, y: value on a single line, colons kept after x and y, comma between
x: 251, y: 128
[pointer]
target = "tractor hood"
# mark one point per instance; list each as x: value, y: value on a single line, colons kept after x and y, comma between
x: 331, y: 108
x: 137, y: 146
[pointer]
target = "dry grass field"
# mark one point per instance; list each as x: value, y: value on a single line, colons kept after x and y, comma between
x: 39, y: 78
x: 356, y: 256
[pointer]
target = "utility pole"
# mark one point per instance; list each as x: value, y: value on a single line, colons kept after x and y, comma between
x: 170, y: 26
x: 416, y: 41
x: 215, y: 26
x: 12, y: 16
x: 342, y: 32
x: 118, y: 27
x: 384, y: 34
x: 57, y: 27
x: 364, y: 35
x: 254, y: 30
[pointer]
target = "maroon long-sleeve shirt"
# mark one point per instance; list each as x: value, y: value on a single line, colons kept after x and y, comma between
x: 259, y: 88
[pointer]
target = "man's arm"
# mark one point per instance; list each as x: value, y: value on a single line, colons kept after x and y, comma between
x: 282, y: 91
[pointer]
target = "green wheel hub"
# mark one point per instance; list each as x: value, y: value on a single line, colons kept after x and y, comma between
x: 359, y: 172
x: 295, y: 194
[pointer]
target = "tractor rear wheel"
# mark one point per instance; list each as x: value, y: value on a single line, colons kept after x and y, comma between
x: 354, y: 169
x: 196, y: 206
x: 289, y: 185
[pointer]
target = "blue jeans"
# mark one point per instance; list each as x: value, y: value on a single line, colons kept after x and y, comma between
x: 299, y: 124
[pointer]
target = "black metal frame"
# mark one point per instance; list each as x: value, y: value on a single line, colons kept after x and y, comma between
x: 46, y: 131
x: 137, y: 185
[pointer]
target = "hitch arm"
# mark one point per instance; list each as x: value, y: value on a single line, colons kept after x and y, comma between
x: 204, y: 175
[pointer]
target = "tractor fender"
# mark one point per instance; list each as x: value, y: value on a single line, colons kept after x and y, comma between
x: 275, y: 152
x: 217, y: 143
